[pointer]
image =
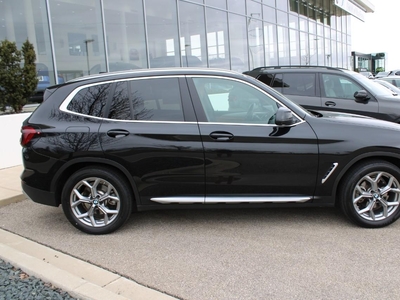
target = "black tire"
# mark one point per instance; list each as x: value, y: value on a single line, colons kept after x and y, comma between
x: 376, y: 185
x: 111, y: 194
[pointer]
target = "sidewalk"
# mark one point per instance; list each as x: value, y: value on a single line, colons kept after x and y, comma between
x: 80, y: 279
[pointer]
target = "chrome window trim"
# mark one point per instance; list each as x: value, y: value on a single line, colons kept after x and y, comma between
x: 68, y: 99
x: 250, y: 124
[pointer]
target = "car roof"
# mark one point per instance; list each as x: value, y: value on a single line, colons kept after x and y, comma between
x: 390, y: 77
x: 156, y: 72
x: 294, y: 68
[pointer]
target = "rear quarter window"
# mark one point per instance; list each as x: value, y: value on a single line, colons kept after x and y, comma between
x: 91, y: 100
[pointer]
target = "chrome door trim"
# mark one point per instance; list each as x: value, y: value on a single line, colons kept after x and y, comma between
x: 231, y: 200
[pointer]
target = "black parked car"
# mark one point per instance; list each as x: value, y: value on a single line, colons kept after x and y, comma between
x: 333, y: 89
x: 106, y: 145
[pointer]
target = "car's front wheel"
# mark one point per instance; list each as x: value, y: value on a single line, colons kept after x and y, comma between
x: 97, y: 200
x: 370, y: 194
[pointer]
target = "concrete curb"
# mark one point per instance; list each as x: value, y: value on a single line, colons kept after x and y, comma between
x: 10, y: 200
x: 80, y: 279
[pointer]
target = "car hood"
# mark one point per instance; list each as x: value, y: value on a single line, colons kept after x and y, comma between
x: 354, y: 120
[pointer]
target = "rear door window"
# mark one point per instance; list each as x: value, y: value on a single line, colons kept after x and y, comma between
x: 302, y: 84
x: 155, y: 99
x: 266, y: 78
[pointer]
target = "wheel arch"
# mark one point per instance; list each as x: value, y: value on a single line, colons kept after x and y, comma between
x: 74, y: 165
x: 392, y: 158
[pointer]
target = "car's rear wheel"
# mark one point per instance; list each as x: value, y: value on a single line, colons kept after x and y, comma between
x: 97, y: 200
x: 370, y: 194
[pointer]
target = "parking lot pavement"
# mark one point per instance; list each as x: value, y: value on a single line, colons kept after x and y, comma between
x: 230, y: 254
x: 78, y: 277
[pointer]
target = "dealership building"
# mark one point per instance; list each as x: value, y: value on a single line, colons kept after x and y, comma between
x: 79, y: 37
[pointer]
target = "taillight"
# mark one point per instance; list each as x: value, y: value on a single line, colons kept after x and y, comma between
x: 28, y: 133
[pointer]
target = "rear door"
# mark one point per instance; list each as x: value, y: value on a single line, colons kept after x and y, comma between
x: 300, y: 87
x: 151, y: 130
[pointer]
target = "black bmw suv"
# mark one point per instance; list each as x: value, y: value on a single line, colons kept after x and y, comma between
x: 332, y: 89
x: 106, y: 145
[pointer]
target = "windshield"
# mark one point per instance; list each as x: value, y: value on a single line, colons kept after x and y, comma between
x: 373, y: 87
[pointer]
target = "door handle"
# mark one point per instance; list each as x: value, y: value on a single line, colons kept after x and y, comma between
x: 117, y: 133
x: 221, y: 136
x: 330, y: 103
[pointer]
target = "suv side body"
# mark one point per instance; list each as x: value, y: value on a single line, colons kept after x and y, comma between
x: 333, y: 89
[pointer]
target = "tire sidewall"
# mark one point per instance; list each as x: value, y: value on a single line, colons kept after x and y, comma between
x: 350, y: 183
x: 119, y: 184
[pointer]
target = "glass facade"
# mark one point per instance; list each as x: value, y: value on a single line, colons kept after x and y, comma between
x: 73, y: 38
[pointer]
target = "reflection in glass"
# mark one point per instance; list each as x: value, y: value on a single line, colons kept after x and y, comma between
x: 91, y: 101
x: 256, y: 42
x: 193, y: 42
x: 294, y: 47
x: 217, y: 39
x: 147, y: 100
x: 156, y: 99
x: 305, y: 56
x: 21, y: 20
x: 120, y: 108
x: 229, y: 101
x: 238, y: 43
x: 283, y: 45
x: 237, y: 6
x: 78, y: 36
x: 217, y: 3
x: 125, y: 35
x: 269, y: 14
x: 270, y: 42
x: 162, y: 30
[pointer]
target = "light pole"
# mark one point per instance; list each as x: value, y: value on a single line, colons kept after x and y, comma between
x: 87, y: 53
x: 186, y: 54
x: 316, y: 49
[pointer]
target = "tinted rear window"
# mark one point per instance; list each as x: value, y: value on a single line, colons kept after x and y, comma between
x: 91, y: 101
x: 266, y: 78
x: 147, y: 99
x: 302, y: 84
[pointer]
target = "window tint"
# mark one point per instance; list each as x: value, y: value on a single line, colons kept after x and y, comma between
x: 91, y: 100
x: 120, y: 108
x: 230, y: 101
x: 278, y: 82
x: 336, y: 86
x: 266, y: 78
x: 147, y: 99
x: 396, y: 82
x: 301, y: 84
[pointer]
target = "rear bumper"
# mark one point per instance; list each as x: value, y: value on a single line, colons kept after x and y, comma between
x: 39, y: 196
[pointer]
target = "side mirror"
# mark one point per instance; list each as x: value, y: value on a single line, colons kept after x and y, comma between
x: 284, y: 116
x: 361, y: 96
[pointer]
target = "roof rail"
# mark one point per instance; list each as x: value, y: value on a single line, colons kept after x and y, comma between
x: 295, y: 66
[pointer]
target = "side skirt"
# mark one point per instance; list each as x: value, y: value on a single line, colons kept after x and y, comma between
x: 231, y: 200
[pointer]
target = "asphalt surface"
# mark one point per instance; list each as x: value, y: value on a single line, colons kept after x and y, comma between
x: 231, y: 254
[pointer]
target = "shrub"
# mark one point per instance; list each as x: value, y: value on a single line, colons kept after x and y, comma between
x: 18, y: 79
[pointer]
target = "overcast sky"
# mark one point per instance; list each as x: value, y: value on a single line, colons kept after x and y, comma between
x: 379, y: 32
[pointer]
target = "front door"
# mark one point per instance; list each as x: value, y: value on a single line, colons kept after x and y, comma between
x: 247, y: 157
